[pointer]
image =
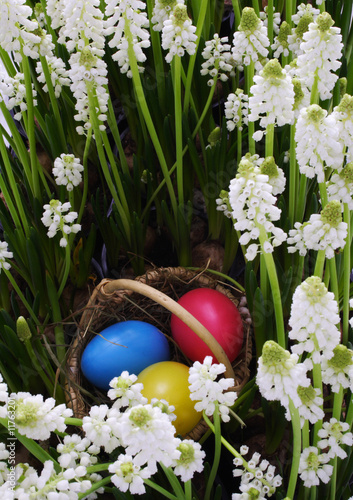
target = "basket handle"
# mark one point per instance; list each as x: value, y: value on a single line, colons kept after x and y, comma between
x: 170, y: 304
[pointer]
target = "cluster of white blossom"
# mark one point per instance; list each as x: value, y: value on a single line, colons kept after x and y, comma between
x: 126, y: 28
x: 343, y: 115
x: 178, y: 33
x: 67, y: 171
x: 217, y: 59
x: 325, y: 231
x: 57, y: 220
x: 59, y: 75
x: 254, y: 207
x: 250, y: 41
x: 236, y: 110
x: 272, y: 98
x: 281, y: 44
x: 258, y: 479
x: 15, y: 91
x: 161, y: 12
x: 4, y: 255
x: 340, y: 186
x: 305, y: 15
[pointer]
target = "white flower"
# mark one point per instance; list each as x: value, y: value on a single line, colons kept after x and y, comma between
x: 15, y: 89
x: 276, y: 19
x: 322, y: 49
x: 58, y: 74
x: 37, y: 418
x: 55, y: 10
x: 311, y: 404
x: 127, y: 475
x: 334, y: 435
x: 67, y: 171
x: 324, y: 231
x: 126, y: 391
x: 161, y: 12
x: 340, y: 186
x: 83, y: 25
x: 54, y: 219
x: 236, y: 110
x: 88, y: 72
x: 17, y: 29
x: 126, y: 20
x: 313, y: 467
x: 190, y: 460
x: 4, y: 254
x: 276, y: 177
x: 272, y: 96
x: 101, y: 427
x: 75, y: 450
x: 280, y: 45
x: 338, y: 370
x: 343, y: 114
x: 305, y: 15
x: 178, y: 33
x: 251, y: 40
x: 208, y: 391
x: 316, y: 136
x: 279, y: 375
x: 147, y: 433
x: 217, y: 59
x: 258, y: 480
x: 223, y: 204
x: 253, y: 206
x: 313, y: 320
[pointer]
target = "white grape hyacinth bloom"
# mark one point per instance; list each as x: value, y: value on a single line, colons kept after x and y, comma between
x: 316, y: 135
x: 322, y: 51
x: 333, y: 435
x: 4, y: 255
x: 217, y: 59
x: 59, y: 75
x: 281, y: 45
x: 208, y: 391
x: 125, y: 391
x: 127, y: 23
x: 276, y: 177
x: 313, y: 320
x: 340, y: 186
x: 254, y: 207
x: 305, y: 15
x: 250, y: 42
x: 190, y: 460
x: 272, y: 98
x: 83, y: 25
x: 15, y: 91
x: 343, y: 114
x: 279, y: 375
x: 101, y: 427
x: 67, y: 171
x: 35, y: 417
x: 325, y: 231
x: 313, y: 467
x: 75, y: 450
x: 178, y: 33
x: 129, y: 476
x: 310, y: 408
x: 161, y: 12
x: 338, y: 370
x: 236, y: 110
x: 57, y: 220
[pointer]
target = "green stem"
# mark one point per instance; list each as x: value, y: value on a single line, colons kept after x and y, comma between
x: 95, y: 487
x: 300, y: 210
x: 333, y: 278
x: 337, y: 404
x: 346, y: 275
x: 249, y: 76
x: 192, y: 60
x: 66, y: 271
x: 188, y: 490
x: 270, y: 132
x: 173, y: 481
x: 317, y: 383
x: 216, y: 454
x: 275, y: 289
x: 237, y: 13
x: 178, y: 127
x: 116, y: 135
x: 161, y: 490
x: 85, y: 176
x: 320, y: 262
x: 270, y: 24
x: 295, y: 418
x: 305, y: 434
x: 333, y: 480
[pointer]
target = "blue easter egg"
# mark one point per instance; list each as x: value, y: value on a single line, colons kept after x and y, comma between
x: 129, y: 345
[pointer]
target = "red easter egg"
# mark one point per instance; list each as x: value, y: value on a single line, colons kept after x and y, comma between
x: 218, y: 314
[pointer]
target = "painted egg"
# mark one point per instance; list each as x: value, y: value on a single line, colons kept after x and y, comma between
x: 128, y: 345
x: 169, y: 380
x: 218, y: 314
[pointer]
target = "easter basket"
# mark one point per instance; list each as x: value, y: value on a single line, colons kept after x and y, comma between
x: 150, y: 298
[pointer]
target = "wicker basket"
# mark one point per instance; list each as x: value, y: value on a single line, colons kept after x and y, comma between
x: 151, y: 298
